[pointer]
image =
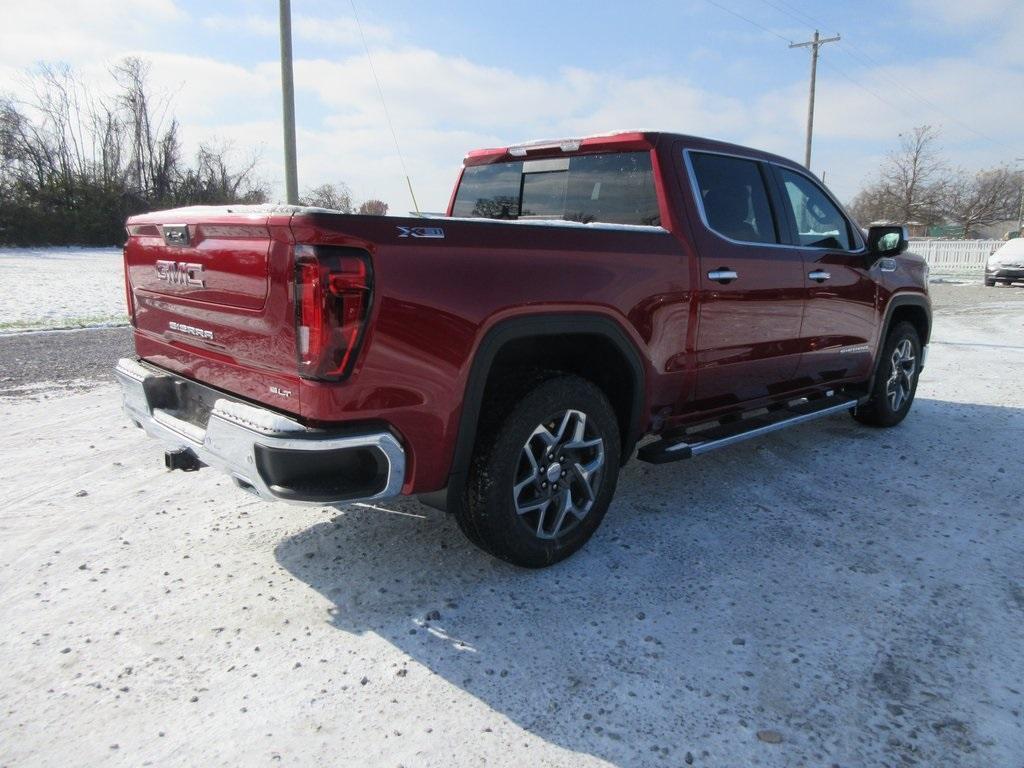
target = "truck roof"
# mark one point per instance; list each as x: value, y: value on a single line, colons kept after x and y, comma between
x: 622, y: 140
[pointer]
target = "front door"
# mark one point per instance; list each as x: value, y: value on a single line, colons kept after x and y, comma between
x: 840, y: 315
x: 752, y: 286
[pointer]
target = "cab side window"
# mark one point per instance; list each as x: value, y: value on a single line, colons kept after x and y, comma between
x: 817, y: 222
x: 734, y: 198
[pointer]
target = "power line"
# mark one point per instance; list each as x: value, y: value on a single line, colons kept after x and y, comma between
x: 860, y: 58
x: 842, y: 73
x: 865, y: 61
x: 796, y: 14
x: 383, y: 102
x: 853, y: 53
x: 749, y: 21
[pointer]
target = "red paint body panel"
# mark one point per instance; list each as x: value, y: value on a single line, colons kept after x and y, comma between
x: 706, y: 348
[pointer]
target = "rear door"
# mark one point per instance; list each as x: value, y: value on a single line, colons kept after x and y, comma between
x: 840, y: 315
x: 752, y: 286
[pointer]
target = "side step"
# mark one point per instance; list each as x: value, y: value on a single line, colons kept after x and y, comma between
x: 687, y: 445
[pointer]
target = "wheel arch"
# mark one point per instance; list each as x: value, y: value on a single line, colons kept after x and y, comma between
x: 914, y: 308
x: 512, y: 333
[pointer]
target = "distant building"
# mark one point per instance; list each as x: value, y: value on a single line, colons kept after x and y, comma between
x: 914, y: 228
x: 1001, y: 230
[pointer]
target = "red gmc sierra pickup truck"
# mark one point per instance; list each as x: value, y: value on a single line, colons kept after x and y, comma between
x: 583, y: 300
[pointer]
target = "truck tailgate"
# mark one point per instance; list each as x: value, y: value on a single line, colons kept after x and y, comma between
x: 206, y: 263
x: 210, y: 294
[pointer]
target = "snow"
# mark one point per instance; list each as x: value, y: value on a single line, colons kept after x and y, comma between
x: 60, y: 288
x: 269, y: 209
x: 555, y: 223
x: 253, y: 210
x: 858, y: 591
x: 1010, y: 253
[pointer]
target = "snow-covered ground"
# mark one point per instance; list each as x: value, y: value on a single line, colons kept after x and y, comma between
x: 857, y: 593
x: 60, y: 288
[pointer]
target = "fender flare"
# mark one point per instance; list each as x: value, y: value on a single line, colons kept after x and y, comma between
x: 904, y: 300
x: 895, y: 302
x: 559, y: 324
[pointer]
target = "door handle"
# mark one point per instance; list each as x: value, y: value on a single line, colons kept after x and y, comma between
x: 820, y: 275
x: 722, y: 275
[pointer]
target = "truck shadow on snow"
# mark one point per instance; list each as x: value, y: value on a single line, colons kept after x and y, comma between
x: 811, y: 583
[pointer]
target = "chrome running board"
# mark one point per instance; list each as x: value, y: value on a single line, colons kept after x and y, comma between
x: 719, y: 435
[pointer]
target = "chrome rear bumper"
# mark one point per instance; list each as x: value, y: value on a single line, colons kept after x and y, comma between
x: 266, y: 453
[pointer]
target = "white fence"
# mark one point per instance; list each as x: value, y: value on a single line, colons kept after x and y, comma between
x: 955, y: 257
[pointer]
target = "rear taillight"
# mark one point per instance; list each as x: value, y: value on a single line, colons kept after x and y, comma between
x: 128, y: 297
x: 332, y: 302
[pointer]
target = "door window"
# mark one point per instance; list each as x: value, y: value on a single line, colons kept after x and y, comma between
x: 734, y: 198
x: 818, y: 222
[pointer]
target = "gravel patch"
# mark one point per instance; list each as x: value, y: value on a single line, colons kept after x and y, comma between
x: 46, y: 364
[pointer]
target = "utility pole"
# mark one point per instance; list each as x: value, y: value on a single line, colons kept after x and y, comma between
x: 814, y: 44
x: 291, y: 178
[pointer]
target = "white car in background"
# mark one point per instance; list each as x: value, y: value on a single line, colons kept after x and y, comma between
x: 1006, y: 264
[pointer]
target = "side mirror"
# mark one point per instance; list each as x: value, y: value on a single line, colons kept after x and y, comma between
x: 887, y: 241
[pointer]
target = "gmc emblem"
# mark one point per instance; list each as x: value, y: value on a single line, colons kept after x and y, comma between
x: 180, y: 273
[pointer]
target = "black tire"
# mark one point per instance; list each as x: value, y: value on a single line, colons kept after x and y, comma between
x: 492, y: 516
x: 895, y: 382
x: 990, y: 283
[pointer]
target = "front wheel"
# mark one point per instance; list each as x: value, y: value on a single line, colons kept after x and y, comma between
x: 542, y: 477
x: 895, y: 381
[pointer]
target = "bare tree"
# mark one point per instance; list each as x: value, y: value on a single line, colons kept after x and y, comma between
x: 336, y: 197
x: 74, y: 164
x: 910, y: 184
x: 215, y: 179
x: 981, y: 199
x: 374, y: 208
x: 153, y: 136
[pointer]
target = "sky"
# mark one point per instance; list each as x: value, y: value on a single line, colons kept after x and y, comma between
x: 460, y: 75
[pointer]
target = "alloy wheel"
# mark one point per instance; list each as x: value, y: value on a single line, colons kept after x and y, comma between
x: 559, y: 474
x: 901, y: 374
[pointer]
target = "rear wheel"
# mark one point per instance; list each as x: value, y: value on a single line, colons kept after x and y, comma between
x: 542, y: 477
x: 895, y: 381
x: 990, y: 283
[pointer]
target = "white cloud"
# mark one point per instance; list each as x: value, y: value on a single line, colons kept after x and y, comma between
x: 996, y: 26
x: 338, y: 30
x: 444, y: 105
x: 207, y: 91
x: 72, y: 30
x: 957, y: 13
x: 252, y: 24
x: 960, y: 97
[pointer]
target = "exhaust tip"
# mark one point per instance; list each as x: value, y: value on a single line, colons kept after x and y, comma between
x: 183, y: 459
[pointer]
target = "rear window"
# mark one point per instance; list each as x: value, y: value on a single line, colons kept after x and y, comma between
x: 612, y: 188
